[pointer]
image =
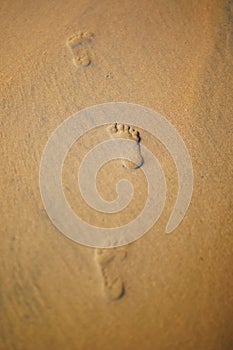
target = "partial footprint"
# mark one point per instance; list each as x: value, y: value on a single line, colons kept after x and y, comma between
x: 108, y: 261
x: 80, y: 38
x: 124, y: 131
x: 82, y: 59
x: 128, y: 132
x: 77, y: 44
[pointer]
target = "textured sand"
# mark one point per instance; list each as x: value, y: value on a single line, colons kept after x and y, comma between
x: 161, y: 292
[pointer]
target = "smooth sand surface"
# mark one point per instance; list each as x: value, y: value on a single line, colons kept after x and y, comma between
x: 162, y: 291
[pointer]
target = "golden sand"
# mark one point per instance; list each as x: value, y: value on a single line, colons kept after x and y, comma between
x: 162, y: 291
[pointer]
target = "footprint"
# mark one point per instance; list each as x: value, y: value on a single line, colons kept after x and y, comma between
x: 108, y: 261
x: 82, y: 59
x: 77, y: 44
x: 128, y: 132
x: 80, y: 38
x: 124, y: 131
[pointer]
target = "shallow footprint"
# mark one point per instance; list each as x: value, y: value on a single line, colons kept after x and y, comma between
x: 82, y: 59
x: 128, y: 132
x: 108, y: 261
x: 76, y: 43
x: 80, y: 38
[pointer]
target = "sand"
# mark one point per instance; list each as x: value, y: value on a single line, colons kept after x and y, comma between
x: 162, y: 291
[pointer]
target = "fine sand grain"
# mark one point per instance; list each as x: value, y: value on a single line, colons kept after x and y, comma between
x: 163, y: 291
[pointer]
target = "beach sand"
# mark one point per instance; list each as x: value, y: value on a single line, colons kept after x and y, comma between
x: 161, y: 291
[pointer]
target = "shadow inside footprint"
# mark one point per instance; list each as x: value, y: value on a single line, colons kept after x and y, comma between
x: 128, y: 132
x: 76, y: 43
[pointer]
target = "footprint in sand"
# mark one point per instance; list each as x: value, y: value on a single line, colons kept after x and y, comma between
x: 78, y: 45
x: 124, y: 131
x: 108, y: 262
x: 128, y: 132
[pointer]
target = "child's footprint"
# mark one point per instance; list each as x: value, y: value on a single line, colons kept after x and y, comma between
x: 130, y: 133
x: 77, y: 45
x: 108, y: 261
